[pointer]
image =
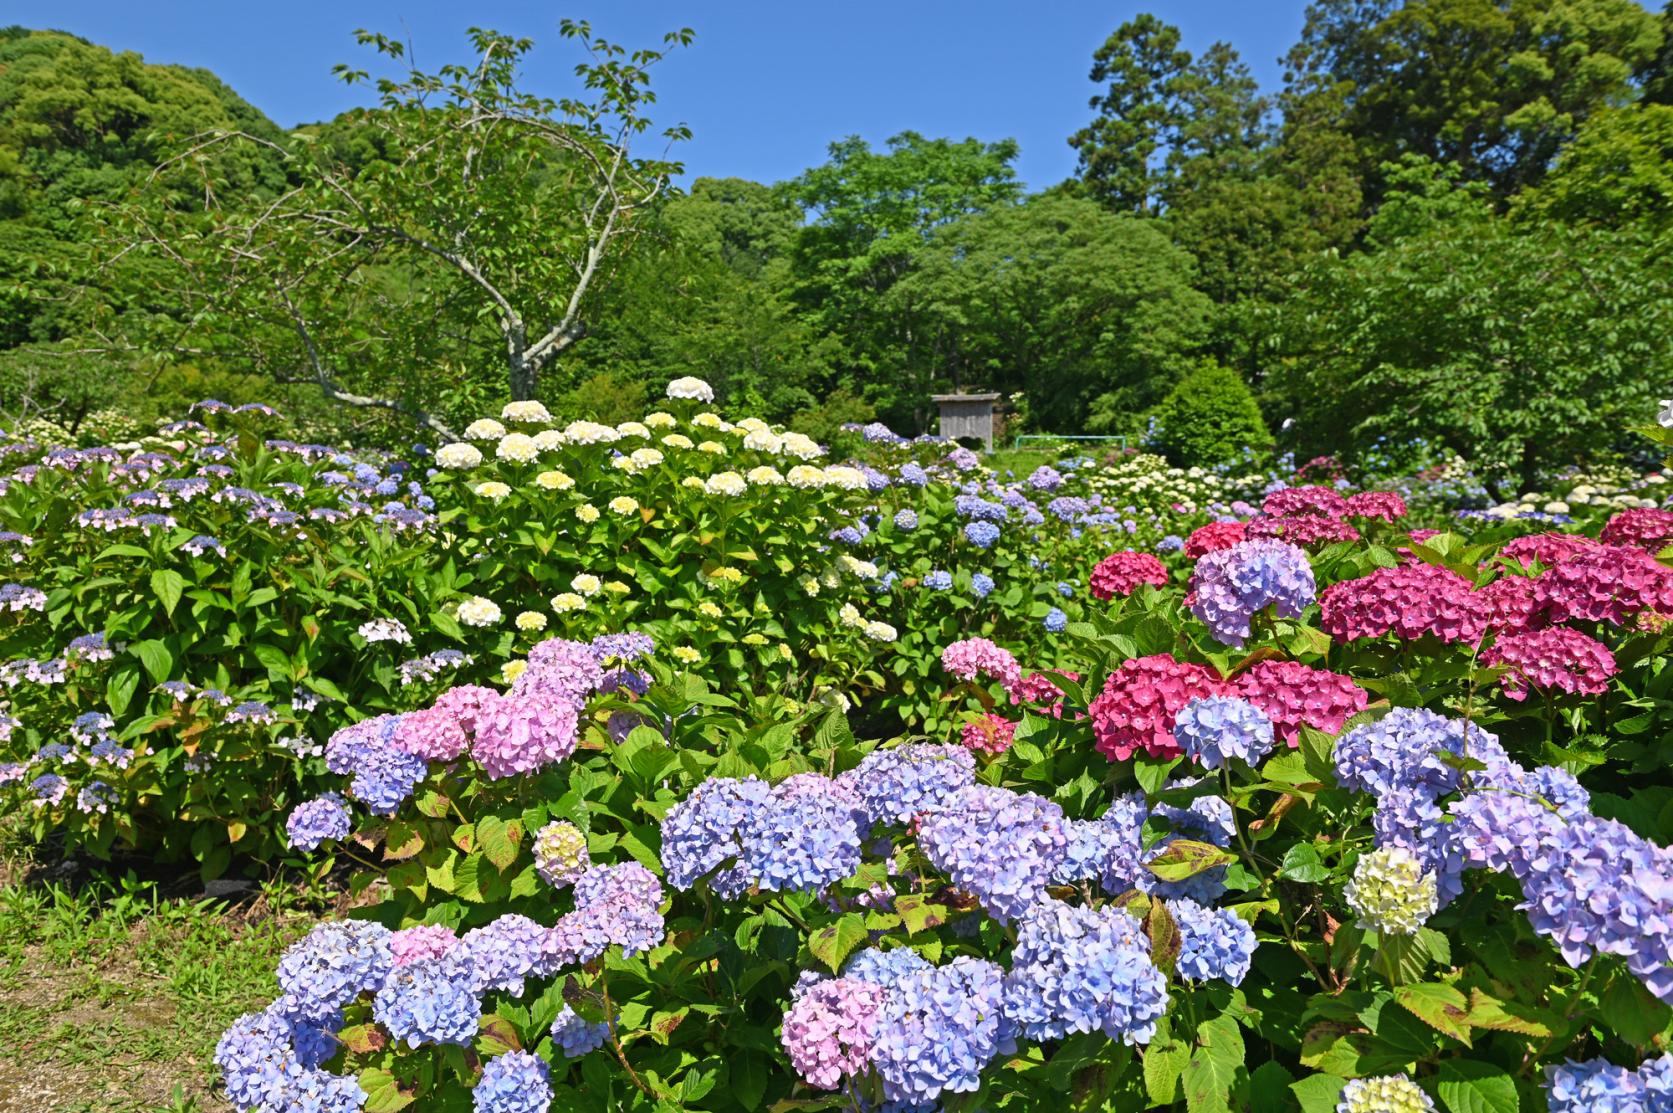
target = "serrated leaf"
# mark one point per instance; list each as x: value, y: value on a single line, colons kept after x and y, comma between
x: 1512, y: 1016
x: 499, y: 840
x: 1183, y: 858
x: 1442, y: 1007
x: 1213, y: 1068
x: 363, y: 1039
x: 168, y: 585
x: 383, y: 1093
x: 833, y: 944
x: 1467, y: 1086
x: 918, y: 913
x: 496, y: 1035
x: 1164, y: 1062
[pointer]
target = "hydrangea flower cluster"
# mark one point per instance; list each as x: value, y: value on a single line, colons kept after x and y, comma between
x: 1605, y: 583
x: 560, y: 853
x: 1077, y: 969
x: 1213, y: 730
x: 1391, y: 892
x: 1389, y: 1093
x: 1304, y: 529
x: 1292, y: 501
x: 989, y: 734
x: 1553, y: 660
x: 974, y: 657
x: 1229, y: 586
x: 1002, y: 847
x: 1121, y: 574
x: 323, y: 819
x: 1599, y: 1086
x: 1214, y: 537
x: 1409, y: 601
x: 830, y: 1029
x: 1214, y: 943
x: 1136, y: 709
x: 1649, y: 528
x: 1381, y: 505
x: 1545, y: 548
x: 1293, y: 695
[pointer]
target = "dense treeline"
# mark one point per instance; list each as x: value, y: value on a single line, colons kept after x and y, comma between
x: 1451, y: 225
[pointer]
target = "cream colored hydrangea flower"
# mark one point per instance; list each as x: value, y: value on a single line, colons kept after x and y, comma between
x: 493, y: 489
x: 1391, y: 892
x: 554, y: 480
x: 846, y: 478
x: 706, y: 420
x: 860, y: 569
x: 589, y: 432
x: 881, y: 632
x: 587, y: 512
x: 528, y: 412
x: 709, y: 610
x: 691, y: 389
x: 806, y: 476
x: 634, y: 429
x: 763, y: 440
x: 802, y: 447
x: 726, y: 575
x: 484, y: 429
x: 519, y: 448
x: 548, y: 439
x: 458, y: 456
x: 727, y: 483
x: 616, y: 587
x: 511, y: 670
x: 695, y: 482
x: 713, y: 448
x: 686, y: 655
x: 477, y: 611
x: 660, y: 420
x: 567, y: 601
x: 851, y: 617
x: 765, y: 476
x: 676, y: 440
x: 753, y: 425
x: 623, y: 504
x: 586, y: 583
x: 531, y: 621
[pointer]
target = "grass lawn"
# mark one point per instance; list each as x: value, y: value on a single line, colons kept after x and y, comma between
x: 113, y: 993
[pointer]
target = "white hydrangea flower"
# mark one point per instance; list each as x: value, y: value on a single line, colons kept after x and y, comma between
x: 728, y: 483
x: 531, y: 621
x: 753, y: 425
x: 676, y: 440
x: 695, y: 482
x: 691, y: 389
x: 645, y: 457
x: 477, y: 611
x: 713, y: 448
x: 763, y: 440
x: 1390, y: 891
x: 850, y: 616
x: 881, y: 632
x: 586, y: 583
x: 765, y: 476
x: 861, y: 569
x: 385, y: 630
x: 548, y: 439
x: 493, y: 489
x: 709, y: 610
x: 1391, y: 1093
x: 707, y: 420
x: 484, y: 429
x: 567, y: 601
x: 458, y: 456
x: 554, y: 480
x: 847, y: 478
x: 589, y: 432
x: 660, y: 420
x: 587, y: 512
x: 802, y: 447
x: 622, y: 504
x: 806, y: 476
x: 528, y: 412
x: 634, y: 429
x: 519, y: 448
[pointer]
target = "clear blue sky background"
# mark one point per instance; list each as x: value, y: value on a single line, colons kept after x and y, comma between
x: 767, y: 85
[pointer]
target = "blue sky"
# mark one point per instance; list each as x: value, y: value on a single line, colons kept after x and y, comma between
x: 766, y: 86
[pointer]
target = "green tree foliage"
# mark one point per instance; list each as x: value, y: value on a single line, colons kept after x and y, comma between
x: 1209, y: 417
x: 1494, y: 87
x: 1521, y: 347
x: 1090, y: 313
x: 448, y: 263
x: 1618, y: 172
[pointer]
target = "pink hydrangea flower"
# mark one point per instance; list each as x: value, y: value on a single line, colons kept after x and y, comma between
x: 1296, y: 501
x: 1121, y: 574
x: 1546, y: 548
x: 423, y: 941
x: 1650, y: 529
x: 1213, y: 537
x: 1558, y: 659
x: 1383, y: 505
x: 461, y: 703
x: 1041, y: 693
x: 565, y: 669
x: 1409, y: 601
x: 988, y: 735
x: 975, y: 657
x: 1418, y: 536
x: 829, y: 1031
x: 1304, y: 529
x: 1293, y: 695
x: 432, y: 734
x: 1141, y: 699
x: 1605, y: 583
x: 521, y: 733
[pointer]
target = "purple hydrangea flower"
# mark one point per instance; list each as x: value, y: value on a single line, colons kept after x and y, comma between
x: 323, y: 819
x: 1076, y: 970
x: 516, y: 1082
x: 1231, y: 585
x: 1214, y: 730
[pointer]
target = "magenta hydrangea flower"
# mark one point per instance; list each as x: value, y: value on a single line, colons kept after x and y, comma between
x: 1213, y: 537
x: 1382, y: 505
x: 1139, y: 703
x: 1554, y: 660
x: 988, y: 735
x: 1546, y: 548
x: 1304, y: 529
x: 1293, y: 695
x: 1121, y: 574
x: 1645, y: 528
x: 829, y: 1031
x: 1313, y: 500
x: 1605, y: 583
x: 1511, y: 606
x: 1409, y: 601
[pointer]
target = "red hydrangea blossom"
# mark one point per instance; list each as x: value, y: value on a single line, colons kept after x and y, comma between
x: 1511, y: 606
x: 1546, y: 548
x: 1558, y: 659
x: 1384, y: 505
x: 1141, y: 699
x: 1213, y: 537
x: 1121, y: 574
x: 1303, y: 529
x: 988, y: 735
x: 1605, y: 583
x: 1650, y: 529
x: 1293, y: 695
x: 1411, y: 600
x: 1040, y: 693
x: 1292, y: 501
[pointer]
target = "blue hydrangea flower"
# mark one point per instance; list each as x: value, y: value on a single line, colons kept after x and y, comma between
x: 577, y: 1036
x: 1003, y: 847
x: 981, y: 585
x: 911, y: 473
x: 386, y: 778
x: 982, y: 534
x: 323, y: 819
x: 1599, y: 1086
x: 1214, y: 730
x: 896, y: 784
x: 1055, y: 621
x: 885, y: 968
x: 938, y: 1028
x: 703, y: 832
x: 938, y: 580
x: 1231, y: 585
x: 430, y: 1000
x: 1077, y: 969
x: 1404, y: 748
x: 332, y: 965
x: 516, y: 1082
x: 1066, y: 589
x: 803, y: 841
x: 1213, y: 942
x: 906, y: 520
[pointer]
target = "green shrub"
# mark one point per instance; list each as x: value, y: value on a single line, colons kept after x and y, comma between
x: 1209, y: 418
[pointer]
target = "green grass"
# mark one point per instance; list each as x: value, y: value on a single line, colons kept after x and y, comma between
x: 112, y: 994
